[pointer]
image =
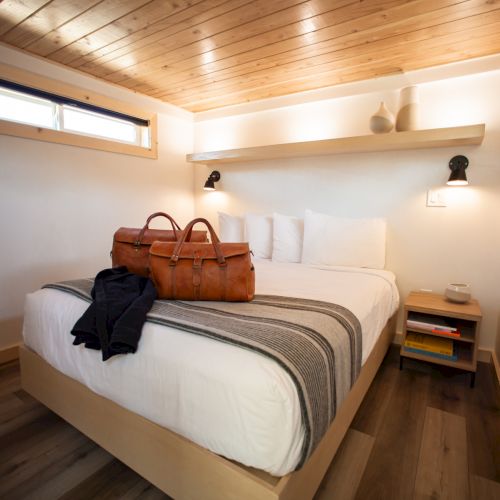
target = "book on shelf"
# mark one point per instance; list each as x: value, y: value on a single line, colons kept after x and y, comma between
x: 432, y: 323
x: 455, y: 335
x: 452, y: 357
x: 429, y: 344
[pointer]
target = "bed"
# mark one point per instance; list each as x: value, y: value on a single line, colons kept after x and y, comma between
x: 165, y: 401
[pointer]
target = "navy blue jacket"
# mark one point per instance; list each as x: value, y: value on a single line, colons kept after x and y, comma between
x: 114, y: 320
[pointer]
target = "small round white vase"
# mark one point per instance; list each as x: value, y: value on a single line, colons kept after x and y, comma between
x: 382, y: 121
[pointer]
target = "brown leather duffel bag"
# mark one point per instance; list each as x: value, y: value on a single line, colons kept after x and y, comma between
x: 131, y: 245
x: 202, y: 271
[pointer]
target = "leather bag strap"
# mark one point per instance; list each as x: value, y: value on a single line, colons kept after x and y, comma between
x: 175, y: 226
x: 197, y: 264
x: 186, y: 236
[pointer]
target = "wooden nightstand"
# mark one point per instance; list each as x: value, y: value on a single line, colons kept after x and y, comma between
x: 434, y: 309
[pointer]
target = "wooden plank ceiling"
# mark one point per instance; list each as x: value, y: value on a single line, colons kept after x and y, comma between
x: 206, y: 54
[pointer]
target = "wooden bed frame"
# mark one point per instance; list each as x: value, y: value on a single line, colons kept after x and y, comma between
x: 174, y: 464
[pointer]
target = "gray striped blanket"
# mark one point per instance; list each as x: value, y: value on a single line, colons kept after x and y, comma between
x: 317, y: 343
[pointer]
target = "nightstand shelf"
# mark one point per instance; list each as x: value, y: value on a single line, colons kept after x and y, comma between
x: 436, y: 309
x: 464, y: 361
x: 467, y: 335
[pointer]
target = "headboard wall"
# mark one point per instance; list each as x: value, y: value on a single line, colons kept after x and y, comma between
x: 426, y: 247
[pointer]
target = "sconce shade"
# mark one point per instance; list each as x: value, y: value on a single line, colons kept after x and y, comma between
x: 212, y: 179
x: 209, y: 185
x: 457, y: 165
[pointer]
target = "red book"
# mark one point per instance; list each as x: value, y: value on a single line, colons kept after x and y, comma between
x: 450, y: 334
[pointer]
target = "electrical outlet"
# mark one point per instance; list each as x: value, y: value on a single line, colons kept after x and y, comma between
x: 435, y: 198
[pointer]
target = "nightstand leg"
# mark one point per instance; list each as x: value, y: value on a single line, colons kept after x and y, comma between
x: 400, y: 362
x: 472, y: 379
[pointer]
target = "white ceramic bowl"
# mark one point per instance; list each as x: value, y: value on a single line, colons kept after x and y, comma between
x: 458, y: 292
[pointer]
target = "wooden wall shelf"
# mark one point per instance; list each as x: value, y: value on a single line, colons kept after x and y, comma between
x: 418, y: 139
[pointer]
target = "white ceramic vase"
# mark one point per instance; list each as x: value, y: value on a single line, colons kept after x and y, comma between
x: 382, y: 121
x: 407, y: 118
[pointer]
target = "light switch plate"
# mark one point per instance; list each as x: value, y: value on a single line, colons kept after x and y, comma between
x: 435, y: 198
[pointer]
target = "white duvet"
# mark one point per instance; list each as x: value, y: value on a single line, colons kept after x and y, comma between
x: 235, y: 402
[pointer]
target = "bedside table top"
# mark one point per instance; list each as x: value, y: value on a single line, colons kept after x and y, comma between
x: 435, y: 303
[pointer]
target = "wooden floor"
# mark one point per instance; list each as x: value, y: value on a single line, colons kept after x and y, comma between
x: 421, y: 433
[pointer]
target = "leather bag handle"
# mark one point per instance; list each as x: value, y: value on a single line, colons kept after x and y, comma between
x: 175, y: 226
x: 186, y: 236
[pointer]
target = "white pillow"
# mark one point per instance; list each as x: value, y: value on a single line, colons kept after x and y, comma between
x: 230, y: 228
x: 259, y: 234
x: 336, y: 241
x: 288, y: 235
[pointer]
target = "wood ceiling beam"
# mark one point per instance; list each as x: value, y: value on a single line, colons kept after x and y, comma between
x: 50, y: 17
x: 111, y: 42
x: 13, y: 12
x: 90, y: 20
x: 121, y: 28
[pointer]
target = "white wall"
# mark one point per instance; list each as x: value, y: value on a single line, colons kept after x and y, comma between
x: 427, y: 247
x: 60, y: 205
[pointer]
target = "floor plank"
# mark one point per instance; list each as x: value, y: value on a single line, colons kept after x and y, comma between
x: 370, y: 416
x: 390, y: 472
x: 29, y: 436
x: 86, y: 463
x: 483, y: 489
x: 19, y: 416
x: 144, y: 491
x: 442, y: 465
x: 483, y: 425
x: 349, y: 463
x: 114, y: 480
x: 448, y: 390
x: 33, y: 476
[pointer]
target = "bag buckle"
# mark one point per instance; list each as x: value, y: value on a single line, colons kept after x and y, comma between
x: 137, y: 245
x: 198, y: 260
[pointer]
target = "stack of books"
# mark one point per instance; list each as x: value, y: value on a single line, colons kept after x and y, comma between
x: 434, y: 324
x: 420, y: 343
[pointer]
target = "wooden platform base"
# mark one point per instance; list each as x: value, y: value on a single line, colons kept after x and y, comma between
x: 174, y: 464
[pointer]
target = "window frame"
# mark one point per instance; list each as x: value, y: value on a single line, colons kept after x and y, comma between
x: 16, y: 129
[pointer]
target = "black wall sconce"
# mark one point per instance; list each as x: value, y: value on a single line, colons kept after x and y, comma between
x: 457, y: 165
x: 212, y: 178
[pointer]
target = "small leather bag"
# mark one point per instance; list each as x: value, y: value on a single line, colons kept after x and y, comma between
x: 131, y: 245
x: 187, y: 270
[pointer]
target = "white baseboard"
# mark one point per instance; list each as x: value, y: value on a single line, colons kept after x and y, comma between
x: 9, y: 353
x: 398, y: 338
x: 484, y: 355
